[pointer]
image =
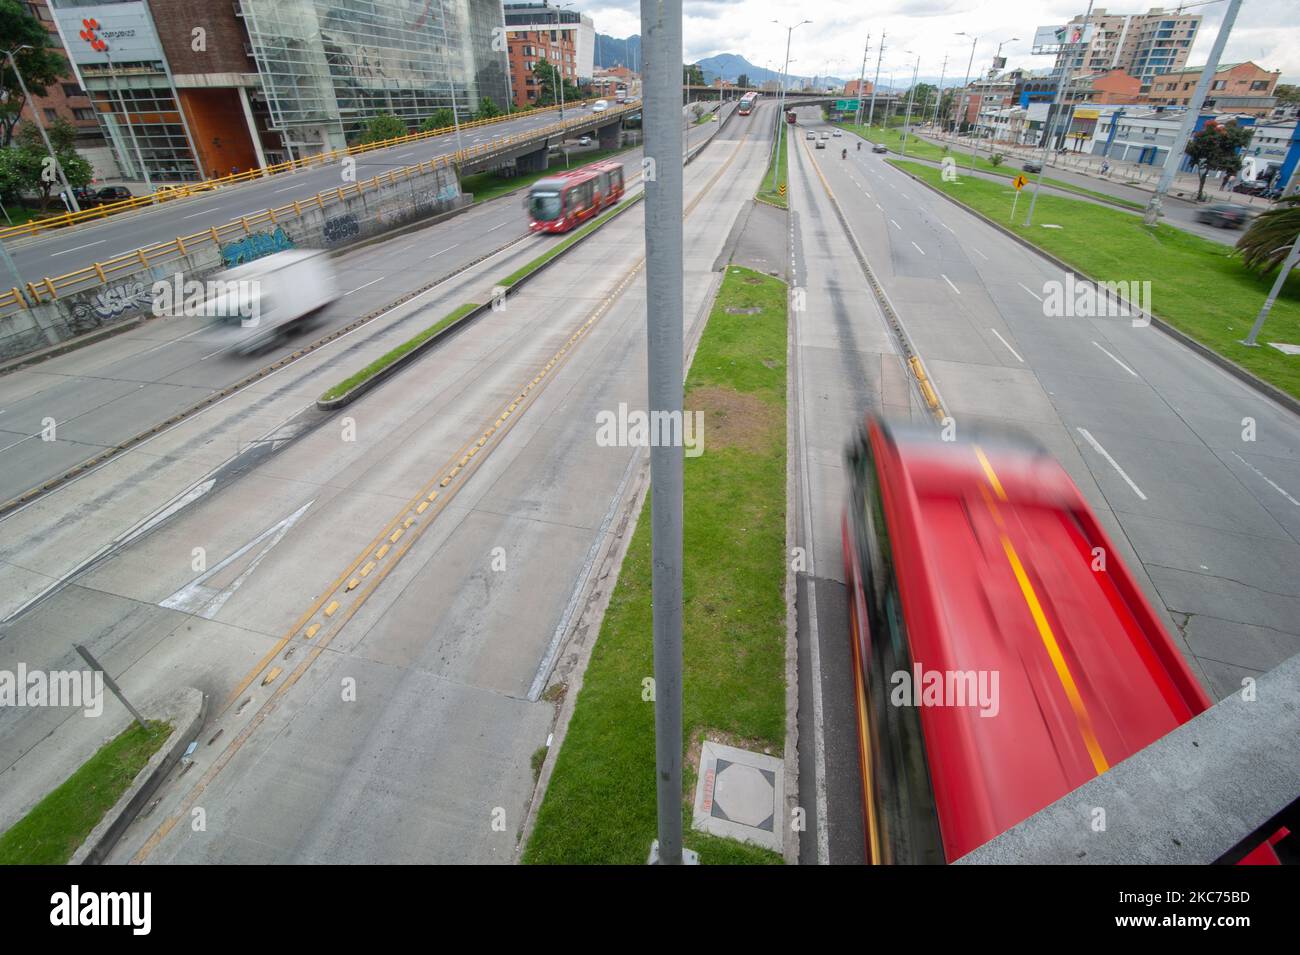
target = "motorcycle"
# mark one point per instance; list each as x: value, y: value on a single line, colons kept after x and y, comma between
x: 844, y: 154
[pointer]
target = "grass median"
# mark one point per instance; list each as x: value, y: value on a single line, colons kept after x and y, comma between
x: 1197, y: 286
x: 774, y: 183
x: 58, y: 824
x: 921, y: 149
x: 599, y: 806
x: 383, y: 361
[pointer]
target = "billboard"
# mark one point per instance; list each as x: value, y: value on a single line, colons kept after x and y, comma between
x: 122, y: 31
x: 1055, y: 38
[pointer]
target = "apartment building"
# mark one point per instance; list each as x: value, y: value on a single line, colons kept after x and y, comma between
x: 564, y: 38
x: 1236, y: 88
x: 1144, y: 45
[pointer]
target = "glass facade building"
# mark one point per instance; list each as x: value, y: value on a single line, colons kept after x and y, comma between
x: 327, y: 66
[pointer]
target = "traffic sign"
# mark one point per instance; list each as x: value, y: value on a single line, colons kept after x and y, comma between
x: 1019, y: 182
x: 847, y: 105
x: 782, y: 190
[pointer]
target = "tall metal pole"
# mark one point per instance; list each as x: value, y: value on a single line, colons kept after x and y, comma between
x: 862, y: 78
x: 36, y: 114
x: 661, y: 25
x: 1292, y: 257
x: 876, y: 85
x: 907, y: 121
x: 1176, y: 151
x: 938, y: 98
x: 144, y: 169
x: 1060, y: 107
x: 780, y: 103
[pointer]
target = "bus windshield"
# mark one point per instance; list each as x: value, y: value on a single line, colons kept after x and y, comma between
x: 544, y: 206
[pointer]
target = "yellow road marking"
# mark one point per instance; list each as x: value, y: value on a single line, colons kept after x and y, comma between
x: 270, y: 677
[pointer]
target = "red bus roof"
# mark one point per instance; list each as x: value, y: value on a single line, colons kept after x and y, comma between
x: 994, y: 550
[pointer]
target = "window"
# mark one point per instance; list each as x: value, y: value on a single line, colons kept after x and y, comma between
x: 1259, y: 85
x: 72, y: 89
x: 1216, y: 85
x: 51, y: 115
x: 83, y: 113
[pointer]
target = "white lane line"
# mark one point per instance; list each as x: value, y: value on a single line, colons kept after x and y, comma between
x: 978, y: 252
x: 949, y: 281
x: 1118, y: 362
x: 879, y: 206
x: 1096, y: 446
x: 896, y: 226
x: 495, y: 227
x: 76, y: 248
x: 203, y: 213
x: 1265, y: 477
x: 367, y: 285
x: 922, y: 251
x: 410, y: 152
x: 1030, y: 291
x: 948, y: 227
x: 287, y: 188
x: 904, y: 195
x: 440, y: 251
x: 1008, y: 344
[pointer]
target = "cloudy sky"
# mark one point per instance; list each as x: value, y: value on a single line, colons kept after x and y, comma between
x: 1266, y: 31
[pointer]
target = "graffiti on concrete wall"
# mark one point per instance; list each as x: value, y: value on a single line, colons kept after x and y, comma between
x: 341, y: 228
x: 108, y: 304
x: 254, y: 246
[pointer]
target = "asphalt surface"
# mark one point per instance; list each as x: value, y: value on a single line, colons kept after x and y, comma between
x: 402, y: 731
x: 67, y: 250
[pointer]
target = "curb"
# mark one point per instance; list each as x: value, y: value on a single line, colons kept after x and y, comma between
x: 359, y: 389
x: 1290, y: 402
x: 185, y: 709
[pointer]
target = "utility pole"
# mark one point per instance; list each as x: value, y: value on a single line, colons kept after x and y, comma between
x: 780, y: 110
x: 36, y: 114
x: 907, y: 121
x: 862, y: 77
x: 965, y: 82
x: 876, y: 85
x: 661, y: 24
x: 1060, y: 107
x: 938, y: 99
x: 1292, y: 257
x: 1177, y: 150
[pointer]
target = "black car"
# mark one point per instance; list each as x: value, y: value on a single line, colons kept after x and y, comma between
x: 1224, y: 215
x: 879, y: 148
x: 112, y: 194
x: 1032, y: 165
x: 86, y: 197
x: 1250, y: 187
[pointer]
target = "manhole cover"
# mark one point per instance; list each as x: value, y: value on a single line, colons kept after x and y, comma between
x: 740, y: 795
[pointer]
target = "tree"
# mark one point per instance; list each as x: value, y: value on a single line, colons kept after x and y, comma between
x: 40, y: 65
x: 693, y: 75
x: 1216, y: 148
x: 922, y: 97
x: 381, y: 127
x: 32, y: 164
x: 487, y: 109
x: 743, y: 81
x: 548, y: 75
x: 441, y: 119
x: 1287, y: 93
x: 1267, y: 242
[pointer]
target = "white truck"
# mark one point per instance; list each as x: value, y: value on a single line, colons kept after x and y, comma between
x: 269, y: 298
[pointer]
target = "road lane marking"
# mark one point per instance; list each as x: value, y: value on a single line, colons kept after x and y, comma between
x: 949, y: 281
x: 440, y: 251
x: 897, y: 226
x: 1117, y: 361
x: 1030, y: 291
x: 1096, y: 445
x: 922, y: 251
x: 77, y: 248
x: 495, y: 227
x: 1008, y: 344
x: 980, y: 254
x: 367, y: 285
x: 1266, y: 478
x: 287, y: 188
x: 204, y: 212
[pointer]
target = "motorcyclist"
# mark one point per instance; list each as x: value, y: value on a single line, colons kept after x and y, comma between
x: 859, y: 145
x: 844, y: 154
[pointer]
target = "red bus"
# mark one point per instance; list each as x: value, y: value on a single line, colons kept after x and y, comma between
x: 975, y: 566
x: 558, y: 203
x: 747, y: 103
x: 790, y: 116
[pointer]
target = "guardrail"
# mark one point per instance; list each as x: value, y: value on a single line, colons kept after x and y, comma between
x: 51, y: 288
x: 184, y: 190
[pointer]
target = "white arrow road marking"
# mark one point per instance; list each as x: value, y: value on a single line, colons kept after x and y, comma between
x: 206, y: 602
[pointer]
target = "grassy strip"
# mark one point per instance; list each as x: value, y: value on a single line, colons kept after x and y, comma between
x: 58, y: 824
x: 1197, y: 286
x: 383, y: 361
x: 559, y: 247
x: 777, y: 173
x: 920, y: 149
x: 600, y: 803
x: 489, y: 185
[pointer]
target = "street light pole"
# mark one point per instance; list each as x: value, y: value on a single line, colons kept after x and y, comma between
x: 876, y: 85
x: 1060, y: 107
x: 938, y: 99
x: 1176, y: 151
x: 661, y: 23
x: 70, y: 198
x: 907, y: 120
x: 862, y: 78
x: 965, y: 82
x: 780, y: 110
x: 997, y: 56
x: 1292, y: 257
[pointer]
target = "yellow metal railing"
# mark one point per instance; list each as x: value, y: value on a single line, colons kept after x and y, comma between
x: 98, y: 273
x: 184, y: 190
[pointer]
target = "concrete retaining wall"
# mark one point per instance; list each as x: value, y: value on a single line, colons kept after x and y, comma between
x: 335, y: 226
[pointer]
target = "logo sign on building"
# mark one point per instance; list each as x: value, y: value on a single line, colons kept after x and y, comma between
x: 1059, y: 36
x: 120, y: 31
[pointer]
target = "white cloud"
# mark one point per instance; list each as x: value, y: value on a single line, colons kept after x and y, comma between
x: 1266, y: 31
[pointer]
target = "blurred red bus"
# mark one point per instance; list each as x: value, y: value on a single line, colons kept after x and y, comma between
x: 558, y: 203
x: 747, y: 103
x: 965, y: 560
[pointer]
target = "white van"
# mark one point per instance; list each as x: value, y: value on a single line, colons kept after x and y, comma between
x: 600, y: 106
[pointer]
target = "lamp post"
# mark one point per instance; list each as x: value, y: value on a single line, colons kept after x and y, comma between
x: 862, y: 77
x: 876, y: 85
x: 964, y: 83
x: 997, y: 56
x: 907, y: 120
x: 36, y: 113
x: 780, y: 110
x: 938, y: 96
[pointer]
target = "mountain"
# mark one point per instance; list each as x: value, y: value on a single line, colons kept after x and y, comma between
x: 618, y: 51
x: 731, y: 66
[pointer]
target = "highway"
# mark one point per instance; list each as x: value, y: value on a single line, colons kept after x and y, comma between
x: 67, y: 250
x: 376, y: 686
x: 1153, y: 434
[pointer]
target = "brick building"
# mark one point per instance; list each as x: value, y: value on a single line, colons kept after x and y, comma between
x: 1244, y: 88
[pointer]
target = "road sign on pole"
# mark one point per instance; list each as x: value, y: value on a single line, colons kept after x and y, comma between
x: 1019, y: 182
